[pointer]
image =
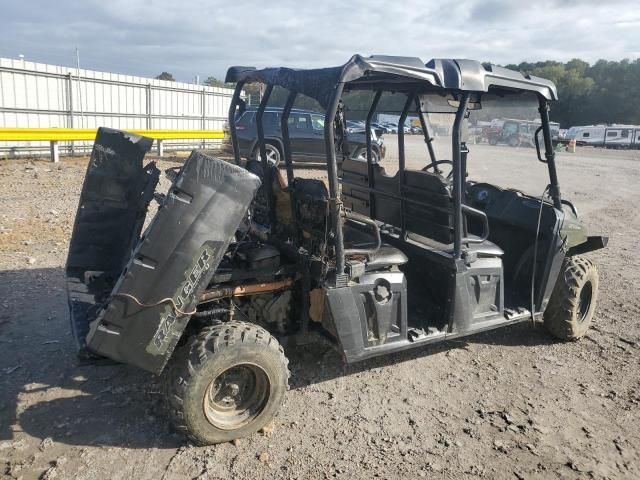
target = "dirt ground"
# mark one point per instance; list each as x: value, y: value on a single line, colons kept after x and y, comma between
x: 512, y: 403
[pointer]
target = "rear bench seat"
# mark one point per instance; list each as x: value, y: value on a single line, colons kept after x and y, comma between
x: 429, y: 223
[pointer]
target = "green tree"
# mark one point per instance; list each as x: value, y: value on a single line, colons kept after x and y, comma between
x: 216, y: 82
x: 166, y: 76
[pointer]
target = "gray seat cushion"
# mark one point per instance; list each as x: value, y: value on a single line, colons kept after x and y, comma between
x: 485, y: 249
x: 386, y: 256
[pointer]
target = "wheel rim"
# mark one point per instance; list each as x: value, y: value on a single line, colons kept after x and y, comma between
x: 237, y: 396
x: 584, y: 302
x: 362, y: 155
x: 273, y: 156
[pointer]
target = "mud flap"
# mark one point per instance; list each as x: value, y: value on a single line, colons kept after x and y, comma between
x: 174, y: 259
x: 113, y: 203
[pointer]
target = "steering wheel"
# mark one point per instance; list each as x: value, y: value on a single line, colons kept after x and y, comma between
x: 435, y: 164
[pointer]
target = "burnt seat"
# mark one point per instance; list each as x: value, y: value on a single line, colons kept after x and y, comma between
x: 310, y: 195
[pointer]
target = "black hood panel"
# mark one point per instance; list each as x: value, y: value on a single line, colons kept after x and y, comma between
x: 175, y: 259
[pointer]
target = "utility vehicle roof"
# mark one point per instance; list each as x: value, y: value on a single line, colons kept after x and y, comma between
x: 398, y: 74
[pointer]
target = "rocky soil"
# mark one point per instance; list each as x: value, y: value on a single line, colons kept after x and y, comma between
x: 513, y: 403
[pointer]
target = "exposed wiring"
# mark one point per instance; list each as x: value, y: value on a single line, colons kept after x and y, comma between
x: 237, y: 308
x: 244, y: 235
x: 159, y: 302
x: 535, y: 256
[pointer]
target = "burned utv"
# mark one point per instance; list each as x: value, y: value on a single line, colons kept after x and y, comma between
x: 239, y: 259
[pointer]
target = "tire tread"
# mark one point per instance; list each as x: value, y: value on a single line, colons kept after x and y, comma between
x: 210, y: 341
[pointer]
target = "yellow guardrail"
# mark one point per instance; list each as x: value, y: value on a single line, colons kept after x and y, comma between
x: 55, y: 135
x: 71, y: 134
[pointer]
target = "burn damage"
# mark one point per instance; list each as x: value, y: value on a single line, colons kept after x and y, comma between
x: 113, y: 204
x: 129, y: 294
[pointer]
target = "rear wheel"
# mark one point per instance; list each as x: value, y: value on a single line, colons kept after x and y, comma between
x: 573, y: 300
x: 227, y: 382
x: 514, y: 141
x: 362, y: 155
x: 273, y: 154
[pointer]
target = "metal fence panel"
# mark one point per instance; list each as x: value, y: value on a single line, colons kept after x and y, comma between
x: 37, y: 95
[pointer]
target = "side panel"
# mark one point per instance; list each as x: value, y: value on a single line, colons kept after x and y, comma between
x: 175, y: 259
x: 113, y: 203
x: 479, y: 296
x: 370, y: 317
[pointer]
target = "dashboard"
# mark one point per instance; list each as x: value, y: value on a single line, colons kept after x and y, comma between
x: 508, y: 206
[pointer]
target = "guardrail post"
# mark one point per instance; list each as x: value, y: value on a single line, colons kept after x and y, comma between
x: 148, y: 99
x: 70, y: 98
x: 204, y: 121
x: 160, y: 148
x: 55, y: 152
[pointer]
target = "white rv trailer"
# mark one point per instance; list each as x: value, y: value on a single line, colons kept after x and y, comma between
x: 622, y: 136
x: 610, y: 136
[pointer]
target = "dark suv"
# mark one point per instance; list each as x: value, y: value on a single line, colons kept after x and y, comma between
x: 306, y: 130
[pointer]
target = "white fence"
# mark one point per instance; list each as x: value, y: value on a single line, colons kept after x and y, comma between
x: 37, y: 95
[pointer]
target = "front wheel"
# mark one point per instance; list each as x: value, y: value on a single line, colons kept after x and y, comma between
x: 573, y: 300
x: 227, y: 382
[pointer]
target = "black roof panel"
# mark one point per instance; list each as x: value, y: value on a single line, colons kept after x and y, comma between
x: 396, y: 74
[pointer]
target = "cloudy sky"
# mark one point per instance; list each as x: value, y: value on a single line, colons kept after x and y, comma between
x: 204, y: 37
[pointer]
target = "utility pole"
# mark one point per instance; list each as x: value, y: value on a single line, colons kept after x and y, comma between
x: 79, y: 87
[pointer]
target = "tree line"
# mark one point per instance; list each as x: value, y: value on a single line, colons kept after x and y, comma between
x: 605, y: 92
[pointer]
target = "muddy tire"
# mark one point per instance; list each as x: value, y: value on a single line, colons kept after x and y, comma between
x: 227, y: 382
x: 573, y: 300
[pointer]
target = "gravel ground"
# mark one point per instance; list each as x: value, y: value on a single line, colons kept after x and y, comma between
x: 512, y: 403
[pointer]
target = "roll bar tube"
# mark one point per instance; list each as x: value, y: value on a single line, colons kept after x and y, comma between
x: 372, y: 110
x: 403, y: 118
x: 428, y: 138
x: 549, y: 153
x: 260, y: 127
x: 235, y: 100
x: 286, y: 140
x: 458, y: 176
x: 335, y: 206
x: 402, y: 156
x: 261, y: 143
x: 374, y: 228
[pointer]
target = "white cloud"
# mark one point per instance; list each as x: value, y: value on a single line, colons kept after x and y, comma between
x: 205, y: 37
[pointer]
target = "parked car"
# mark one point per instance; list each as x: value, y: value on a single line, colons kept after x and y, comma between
x: 306, y: 130
x: 391, y: 127
x: 355, y: 127
x: 379, y: 126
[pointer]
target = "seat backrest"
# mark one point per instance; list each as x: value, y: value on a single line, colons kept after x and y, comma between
x: 423, y: 200
x: 312, y: 206
x: 428, y: 208
x: 264, y: 199
x: 271, y: 205
x: 383, y: 203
